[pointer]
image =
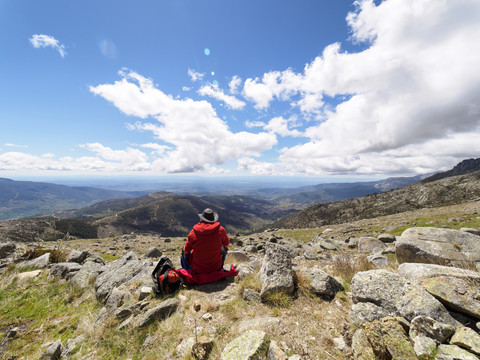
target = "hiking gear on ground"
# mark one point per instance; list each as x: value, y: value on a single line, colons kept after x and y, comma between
x: 204, y: 244
x: 193, y: 278
x: 165, y: 277
x: 208, y: 216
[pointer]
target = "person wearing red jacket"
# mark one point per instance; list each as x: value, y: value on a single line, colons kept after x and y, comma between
x: 206, y: 246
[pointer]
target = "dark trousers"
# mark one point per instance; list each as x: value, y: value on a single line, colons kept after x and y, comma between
x: 186, y: 258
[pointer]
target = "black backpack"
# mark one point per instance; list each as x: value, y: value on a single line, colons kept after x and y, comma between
x: 165, y: 277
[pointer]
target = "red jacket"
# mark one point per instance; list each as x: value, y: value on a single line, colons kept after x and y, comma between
x: 205, y: 245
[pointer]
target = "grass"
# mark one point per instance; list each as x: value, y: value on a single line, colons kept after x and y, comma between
x: 345, y: 267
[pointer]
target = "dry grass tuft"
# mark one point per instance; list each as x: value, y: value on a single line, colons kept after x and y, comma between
x: 345, y: 266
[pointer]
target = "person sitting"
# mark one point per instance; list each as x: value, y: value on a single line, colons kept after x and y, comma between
x: 206, y: 246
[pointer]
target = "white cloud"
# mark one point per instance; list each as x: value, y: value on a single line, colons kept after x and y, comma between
x: 186, y: 88
x: 257, y: 167
x: 281, y: 126
x: 39, y: 41
x: 415, y: 88
x: 214, y: 91
x: 15, y: 145
x: 197, y: 136
x: 195, y: 76
x: 234, y: 84
x: 130, y: 159
x: 252, y: 124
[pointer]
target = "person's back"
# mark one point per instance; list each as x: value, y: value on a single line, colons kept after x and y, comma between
x: 206, y: 245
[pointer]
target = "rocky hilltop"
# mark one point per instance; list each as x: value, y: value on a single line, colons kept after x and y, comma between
x: 383, y: 288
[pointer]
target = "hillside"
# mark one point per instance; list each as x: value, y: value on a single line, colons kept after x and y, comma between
x: 28, y: 198
x: 447, y: 191
x: 464, y: 167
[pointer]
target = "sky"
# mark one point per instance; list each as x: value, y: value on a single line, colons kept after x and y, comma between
x: 319, y: 88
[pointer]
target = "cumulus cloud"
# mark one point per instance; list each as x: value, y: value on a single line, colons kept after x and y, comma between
x: 235, y: 84
x: 282, y: 126
x: 215, y: 92
x: 40, y: 40
x: 196, y: 135
x: 414, y: 88
x: 195, y: 76
x: 256, y: 167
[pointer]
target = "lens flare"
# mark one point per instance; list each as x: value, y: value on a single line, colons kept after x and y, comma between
x: 206, y: 51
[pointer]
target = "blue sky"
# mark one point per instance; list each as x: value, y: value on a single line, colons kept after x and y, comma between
x: 299, y: 88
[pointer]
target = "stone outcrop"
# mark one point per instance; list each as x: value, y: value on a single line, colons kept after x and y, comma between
x: 324, y: 285
x: 158, y: 313
x: 64, y: 270
x: 417, y: 272
x: 437, y: 246
x: 251, y: 345
x: 370, y: 245
x: 7, y: 249
x: 39, y: 262
x: 88, y: 271
x: 276, y: 274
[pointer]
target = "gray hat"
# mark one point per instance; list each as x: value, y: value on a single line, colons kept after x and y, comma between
x: 208, y: 216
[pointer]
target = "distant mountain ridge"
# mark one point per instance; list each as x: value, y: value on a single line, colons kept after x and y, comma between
x: 464, y: 167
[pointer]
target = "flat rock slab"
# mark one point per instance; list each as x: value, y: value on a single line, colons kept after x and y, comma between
x: 28, y: 275
x: 437, y: 246
x: 466, y: 338
x: 453, y: 352
x: 260, y: 323
x: 417, y: 272
x: 457, y: 294
x: 251, y: 345
x: 370, y: 245
x: 158, y: 313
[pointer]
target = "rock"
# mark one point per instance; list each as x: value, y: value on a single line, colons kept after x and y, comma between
x: 153, y: 252
x: 339, y: 343
x: 185, y: 347
x: 89, y: 270
x: 78, y: 256
x: 116, y: 298
x: 310, y: 255
x: 424, y: 346
x: 364, y: 312
x: 396, y: 296
x: 251, y: 295
x: 251, y: 249
x: 13, y: 332
x: 249, y: 346
x: 39, y: 262
x: 456, y: 294
x: 325, y: 244
x: 118, y: 272
x: 28, y: 275
x: 202, y: 348
x: 158, y: 313
x: 7, y: 249
x: 71, y: 344
x: 471, y: 231
x: 275, y: 353
x: 417, y: 272
x: 276, y: 274
x: 94, y: 258
x: 370, y: 245
x: 387, y: 238
x: 378, y: 260
x: 259, y: 323
x: 453, y: 352
x: 53, y: 352
x: 396, y: 339
x: 144, y: 292
x: 467, y: 339
x: 437, y: 246
x: 64, y: 270
x: 373, y: 332
x: 362, y: 350
x: 207, y: 317
x: 324, y: 285
x: 236, y: 257
x: 422, y: 326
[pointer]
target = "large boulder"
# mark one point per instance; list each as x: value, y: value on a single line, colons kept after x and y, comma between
x: 276, y: 274
x: 323, y: 285
x: 424, y: 326
x: 466, y: 338
x: 453, y: 352
x: 370, y: 245
x: 158, y: 313
x: 396, y: 296
x: 39, y: 262
x: 78, y: 256
x: 64, y: 270
x: 417, y: 272
x: 7, y: 249
x: 118, y: 272
x: 88, y: 271
x: 437, y: 246
x: 251, y: 345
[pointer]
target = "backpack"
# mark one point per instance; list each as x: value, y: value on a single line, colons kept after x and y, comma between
x: 165, y: 277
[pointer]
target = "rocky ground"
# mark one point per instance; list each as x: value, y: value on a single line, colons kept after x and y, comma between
x: 337, y: 292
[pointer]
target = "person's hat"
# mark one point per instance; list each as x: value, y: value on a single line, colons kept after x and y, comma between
x: 208, y: 216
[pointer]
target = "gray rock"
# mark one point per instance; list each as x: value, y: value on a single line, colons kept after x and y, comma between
x: 251, y: 249
x: 95, y: 258
x: 324, y: 285
x: 396, y: 296
x: 275, y: 353
x: 158, y: 313
x: 236, y: 257
x: 453, y: 352
x: 71, y: 344
x: 326, y: 244
x: 118, y: 272
x: 467, y: 339
x: 28, y: 275
x: 53, y: 352
x: 378, y: 260
x: 437, y: 246
x: 39, y: 262
x: 116, y: 298
x: 88, y: 271
x: 185, y: 347
x: 370, y: 245
x: 362, y: 349
x: 78, y: 256
x: 251, y: 295
x: 153, y: 252
x: 260, y: 323
x: 417, y: 272
x: 424, y: 346
x: 387, y: 238
x: 251, y: 345
x: 471, y: 231
x: 310, y: 255
x: 276, y: 274
x: 364, y: 312
x: 64, y: 270
x: 422, y: 326
x: 7, y: 249
x: 144, y: 292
